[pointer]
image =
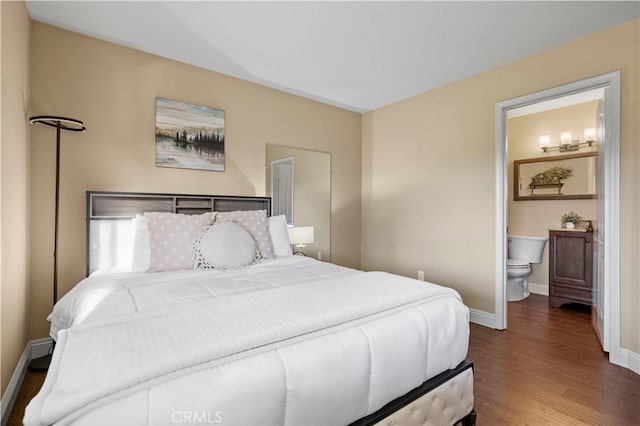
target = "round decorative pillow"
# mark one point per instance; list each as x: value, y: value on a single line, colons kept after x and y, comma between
x: 224, y: 245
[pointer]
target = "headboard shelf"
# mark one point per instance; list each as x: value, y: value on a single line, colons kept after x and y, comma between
x: 109, y: 215
x: 104, y: 205
x: 194, y: 203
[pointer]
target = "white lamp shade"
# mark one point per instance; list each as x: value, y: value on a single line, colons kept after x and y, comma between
x: 544, y: 141
x: 590, y: 134
x: 565, y: 138
x: 301, y: 235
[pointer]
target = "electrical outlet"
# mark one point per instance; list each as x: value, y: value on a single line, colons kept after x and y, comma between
x: 421, y: 275
x: 319, y: 256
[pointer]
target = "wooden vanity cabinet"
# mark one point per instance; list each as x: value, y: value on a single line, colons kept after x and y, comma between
x: 570, y: 267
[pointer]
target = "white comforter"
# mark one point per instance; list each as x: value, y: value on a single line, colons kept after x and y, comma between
x: 125, y: 335
x: 107, y: 294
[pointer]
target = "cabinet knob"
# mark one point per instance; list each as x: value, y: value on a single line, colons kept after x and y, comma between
x: 588, y: 240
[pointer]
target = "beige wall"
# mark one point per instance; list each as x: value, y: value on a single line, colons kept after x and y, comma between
x: 536, y: 217
x: 113, y: 90
x: 14, y: 179
x: 427, y: 177
x: 428, y: 183
x: 311, y: 193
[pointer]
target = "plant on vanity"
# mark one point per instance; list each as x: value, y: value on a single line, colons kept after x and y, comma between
x: 571, y: 219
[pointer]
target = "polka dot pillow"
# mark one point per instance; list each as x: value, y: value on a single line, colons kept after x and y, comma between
x: 171, y: 237
x: 254, y: 221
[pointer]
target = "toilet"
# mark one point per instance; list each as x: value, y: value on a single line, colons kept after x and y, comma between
x: 522, y: 252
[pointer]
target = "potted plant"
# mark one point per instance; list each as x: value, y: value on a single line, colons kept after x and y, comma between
x: 571, y: 219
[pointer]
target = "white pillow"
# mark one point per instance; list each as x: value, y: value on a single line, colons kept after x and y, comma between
x: 279, y: 235
x: 254, y: 221
x: 224, y: 245
x: 141, y: 254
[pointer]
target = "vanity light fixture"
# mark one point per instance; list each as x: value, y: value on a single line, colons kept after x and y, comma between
x: 567, y: 143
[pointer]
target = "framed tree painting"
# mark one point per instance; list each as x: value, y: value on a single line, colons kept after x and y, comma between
x: 189, y: 136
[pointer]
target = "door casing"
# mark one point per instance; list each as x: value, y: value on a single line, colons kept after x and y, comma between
x: 611, y: 222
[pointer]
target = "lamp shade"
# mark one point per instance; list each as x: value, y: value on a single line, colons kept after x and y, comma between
x: 301, y: 235
x: 544, y: 141
x: 565, y: 138
x: 590, y: 134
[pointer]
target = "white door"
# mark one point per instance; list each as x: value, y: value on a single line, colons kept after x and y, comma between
x: 598, y: 316
x: 282, y: 188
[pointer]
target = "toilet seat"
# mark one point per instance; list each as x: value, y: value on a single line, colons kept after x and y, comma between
x: 517, y: 264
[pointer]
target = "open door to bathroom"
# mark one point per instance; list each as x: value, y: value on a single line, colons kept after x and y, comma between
x: 607, y: 305
x: 598, y: 314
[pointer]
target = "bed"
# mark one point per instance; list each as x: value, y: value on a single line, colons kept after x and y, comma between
x: 286, y: 340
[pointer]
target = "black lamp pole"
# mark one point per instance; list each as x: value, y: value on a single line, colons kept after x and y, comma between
x: 72, y: 125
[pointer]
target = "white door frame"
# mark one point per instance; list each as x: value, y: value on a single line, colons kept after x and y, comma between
x: 612, y: 199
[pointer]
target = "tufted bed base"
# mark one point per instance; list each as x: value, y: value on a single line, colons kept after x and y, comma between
x: 446, y: 399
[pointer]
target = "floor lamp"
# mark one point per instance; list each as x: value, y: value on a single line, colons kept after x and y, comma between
x: 71, y: 125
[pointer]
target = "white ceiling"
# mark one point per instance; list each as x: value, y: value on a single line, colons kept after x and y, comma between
x: 356, y: 55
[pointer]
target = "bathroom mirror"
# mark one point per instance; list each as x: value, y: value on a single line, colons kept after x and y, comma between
x: 299, y: 183
x: 561, y: 177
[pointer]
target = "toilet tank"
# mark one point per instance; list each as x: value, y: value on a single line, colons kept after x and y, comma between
x: 526, y: 248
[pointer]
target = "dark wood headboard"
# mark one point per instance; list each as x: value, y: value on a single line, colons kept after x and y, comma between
x: 111, y: 212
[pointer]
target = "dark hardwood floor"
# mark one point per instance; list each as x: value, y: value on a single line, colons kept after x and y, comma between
x: 547, y: 368
x: 31, y: 384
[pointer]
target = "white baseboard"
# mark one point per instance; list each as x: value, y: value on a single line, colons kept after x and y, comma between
x: 34, y: 349
x: 479, y: 317
x: 626, y: 358
x: 40, y: 347
x: 10, y: 395
x: 535, y: 288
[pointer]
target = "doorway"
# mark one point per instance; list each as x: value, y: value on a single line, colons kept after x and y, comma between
x: 282, y: 188
x: 607, y: 304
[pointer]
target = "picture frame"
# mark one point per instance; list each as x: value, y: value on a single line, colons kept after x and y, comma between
x: 189, y: 136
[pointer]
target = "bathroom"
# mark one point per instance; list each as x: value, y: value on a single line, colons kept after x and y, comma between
x: 558, y: 133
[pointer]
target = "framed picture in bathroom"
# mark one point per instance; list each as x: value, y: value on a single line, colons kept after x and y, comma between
x: 560, y: 177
